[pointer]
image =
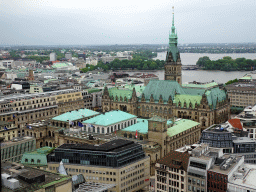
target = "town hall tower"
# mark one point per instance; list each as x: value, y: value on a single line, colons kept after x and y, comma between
x: 173, y: 63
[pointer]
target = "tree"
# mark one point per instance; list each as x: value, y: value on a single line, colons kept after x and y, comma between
x: 202, y: 61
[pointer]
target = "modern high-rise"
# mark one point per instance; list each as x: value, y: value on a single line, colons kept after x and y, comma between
x: 68, y: 56
x: 53, y: 57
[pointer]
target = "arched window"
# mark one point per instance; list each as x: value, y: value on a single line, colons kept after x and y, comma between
x: 128, y: 123
x: 41, y: 134
x: 125, y: 135
x: 53, y: 134
x: 130, y: 136
x: 134, y: 121
x: 102, y: 130
x: 111, y: 129
x: 125, y: 124
x: 46, y: 143
x: 41, y: 144
x: 141, y: 137
x: 115, y: 127
x: 122, y: 126
x: 108, y: 130
x: 32, y: 160
x: 50, y: 144
x: 93, y: 129
x: 38, y: 161
x: 26, y: 160
x: 98, y: 130
x: 49, y: 133
x: 118, y: 126
x: 131, y: 122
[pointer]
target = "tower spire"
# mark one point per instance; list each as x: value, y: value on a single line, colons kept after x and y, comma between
x: 172, y: 15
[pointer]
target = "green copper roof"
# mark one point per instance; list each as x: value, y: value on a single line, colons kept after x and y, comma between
x: 141, y: 126
x: 246, y: 77
x: 187, y: 98
x: 75, y: 115
x: 58, y: 65
x: 173, y: 42
x: 38, y: 157
x: 180, y: 126
x: 93, y: 90
x: 138, y: 88
x: 213, y: 94
x: 164, y: 88
x: 120, y: 92
x: 110, y: 118
x: 202, y: 86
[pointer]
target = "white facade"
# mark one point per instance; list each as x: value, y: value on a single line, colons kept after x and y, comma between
x: 53, y: 57
x: 68, y: 55
x: 6, y: 63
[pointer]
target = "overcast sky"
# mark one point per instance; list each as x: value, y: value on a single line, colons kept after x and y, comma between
x: 61, y: 22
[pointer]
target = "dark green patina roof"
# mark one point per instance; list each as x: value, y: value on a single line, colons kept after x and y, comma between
x: 164, y: 88
x: 120, y: 92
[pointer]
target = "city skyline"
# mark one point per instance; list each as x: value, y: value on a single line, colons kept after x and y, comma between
x: 64, y: 23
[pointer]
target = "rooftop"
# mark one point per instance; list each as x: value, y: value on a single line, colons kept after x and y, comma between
x: 37, y: 158
x: 94, y: 187
x: 180, y: 126
x: 110, y: 118
x: 141, y: 126
x: 175, y: 159
x: 24, y: 174
x: 16, y: 141
x: 112, y: 146
x: 245, y: 176
x: 243, y: 140
x: 75, y: 115
x: 227, y: 165
x: 200, y: 85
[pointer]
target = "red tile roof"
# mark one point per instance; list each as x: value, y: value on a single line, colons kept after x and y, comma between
x: 236, y: 123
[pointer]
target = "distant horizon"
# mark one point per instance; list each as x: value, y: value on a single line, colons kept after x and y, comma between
x: 166, y: 44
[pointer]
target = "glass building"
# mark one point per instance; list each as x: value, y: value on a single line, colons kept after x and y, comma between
x: 115, y: 153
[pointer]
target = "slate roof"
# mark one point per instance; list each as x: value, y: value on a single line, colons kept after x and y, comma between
x: 177, y: 156
x: 75, y: 115
x: 110, y: 118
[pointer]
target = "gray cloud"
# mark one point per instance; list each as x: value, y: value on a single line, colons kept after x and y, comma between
x: 43, y: 22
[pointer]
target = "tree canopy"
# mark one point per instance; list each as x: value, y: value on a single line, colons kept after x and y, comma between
x: 226, y: 64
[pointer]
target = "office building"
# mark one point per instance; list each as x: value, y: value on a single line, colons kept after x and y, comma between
x: 119, y: 162
x: 53, y: 57
x: 68, y: 56
x: 171, y: 172
x: 14, y: 149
